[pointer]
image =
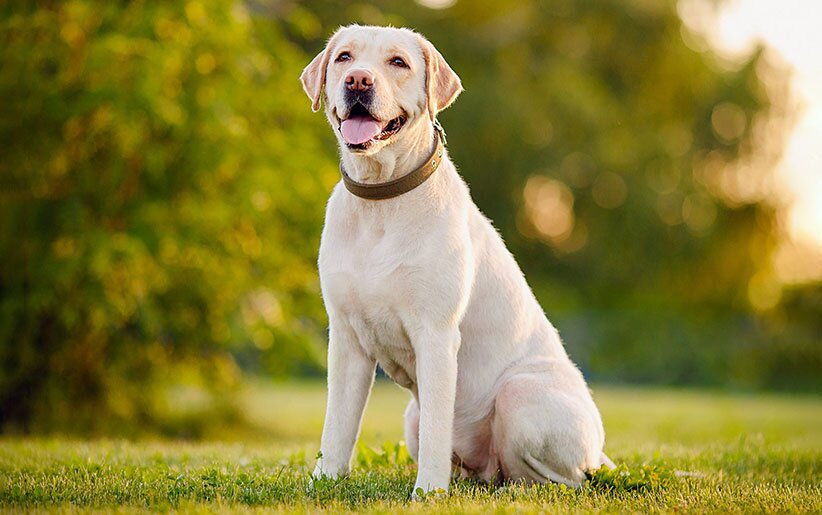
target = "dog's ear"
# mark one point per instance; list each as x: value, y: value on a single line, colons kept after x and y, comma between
x: 442, y: 84
x: 313, y: 76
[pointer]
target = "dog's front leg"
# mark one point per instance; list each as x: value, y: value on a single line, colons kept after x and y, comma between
x: 350, y: 377
x: 436, y: 355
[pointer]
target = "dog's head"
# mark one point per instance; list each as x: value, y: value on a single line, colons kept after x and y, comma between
x: 377, y: 82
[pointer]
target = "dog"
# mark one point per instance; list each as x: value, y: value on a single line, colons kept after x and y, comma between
x: 415, y: 278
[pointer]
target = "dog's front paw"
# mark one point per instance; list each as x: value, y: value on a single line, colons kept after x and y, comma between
x: 320, y: 482
x: 328, y: 470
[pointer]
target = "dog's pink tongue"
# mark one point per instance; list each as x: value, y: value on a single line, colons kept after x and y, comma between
x: 359, y: 129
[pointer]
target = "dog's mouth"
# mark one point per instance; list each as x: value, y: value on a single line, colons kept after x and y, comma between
x: 360, y: 129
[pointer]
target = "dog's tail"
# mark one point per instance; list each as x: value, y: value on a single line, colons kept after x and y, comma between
x: 605, y: 460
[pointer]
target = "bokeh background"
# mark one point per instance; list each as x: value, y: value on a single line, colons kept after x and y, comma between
x: 163, y: 182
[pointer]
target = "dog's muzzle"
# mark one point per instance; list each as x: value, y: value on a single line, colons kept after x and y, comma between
x: 355, y: 97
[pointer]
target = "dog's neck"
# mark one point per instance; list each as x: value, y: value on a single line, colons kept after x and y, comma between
x: 394, y: 160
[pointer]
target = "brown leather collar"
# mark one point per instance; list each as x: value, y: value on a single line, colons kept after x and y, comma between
x: 400, y: 185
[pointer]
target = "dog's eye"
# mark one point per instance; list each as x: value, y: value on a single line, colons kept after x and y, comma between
x: 344, y: 56
x: 399, y: 62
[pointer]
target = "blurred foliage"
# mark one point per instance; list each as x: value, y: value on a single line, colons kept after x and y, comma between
x: 606, y: 151
x: 161, y: 204
x: 162, y: 183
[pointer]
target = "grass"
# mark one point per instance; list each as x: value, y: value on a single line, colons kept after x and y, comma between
x: 677, y: 450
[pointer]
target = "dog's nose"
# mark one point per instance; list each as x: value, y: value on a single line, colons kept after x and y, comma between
x: 359, y: 80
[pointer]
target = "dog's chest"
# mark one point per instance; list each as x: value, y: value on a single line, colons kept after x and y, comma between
x: 370, y: 277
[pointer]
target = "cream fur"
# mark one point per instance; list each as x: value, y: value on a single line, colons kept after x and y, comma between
x: 423, y: 285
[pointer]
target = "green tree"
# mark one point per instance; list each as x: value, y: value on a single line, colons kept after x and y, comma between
x: 161, y: 196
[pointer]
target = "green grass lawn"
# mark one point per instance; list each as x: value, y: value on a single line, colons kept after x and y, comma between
x: 677, y: 450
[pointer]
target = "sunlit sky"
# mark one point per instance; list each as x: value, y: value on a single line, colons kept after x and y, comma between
x: 792, y: 28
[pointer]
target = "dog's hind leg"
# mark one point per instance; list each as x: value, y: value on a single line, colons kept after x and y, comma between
x: 412, y: 428
x: 545, y: 431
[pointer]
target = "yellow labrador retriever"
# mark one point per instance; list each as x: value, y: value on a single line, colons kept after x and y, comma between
x: 415, y: 278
